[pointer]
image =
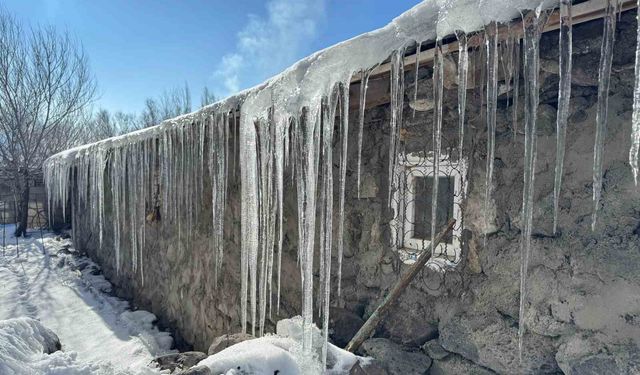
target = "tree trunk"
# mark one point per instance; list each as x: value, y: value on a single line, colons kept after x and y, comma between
x: 23, y: 205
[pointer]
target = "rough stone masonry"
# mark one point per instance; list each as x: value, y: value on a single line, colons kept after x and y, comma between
x: 583, y: 310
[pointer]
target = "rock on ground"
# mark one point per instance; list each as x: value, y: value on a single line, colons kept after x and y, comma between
x: 434, y: 350
x: 344, y: 325
x: 197, y: 370
x: 583, y: 355
x: 371, y: 367
x: 179, y: 361
x: 394, y: 358
x: 491, y: 342
x: 455, y: 364
x: 222, y: 342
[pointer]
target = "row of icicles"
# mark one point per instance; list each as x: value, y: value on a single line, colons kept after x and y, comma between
x: 166, y: 172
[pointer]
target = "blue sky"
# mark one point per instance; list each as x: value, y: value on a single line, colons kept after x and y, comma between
x: 140, y: 48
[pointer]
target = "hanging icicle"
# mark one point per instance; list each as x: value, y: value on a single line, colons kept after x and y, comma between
x: 517, y: 53
x: 604, y: 79
x: 532, y: 31
x: 635, y: 120
x: 564, y: 94
x: 438, y: 83
x: 281, y: 144
x: 364, y: 82
x: 491, y: 43
x: 463, y: 72
x: 307, y: 159
x: 415, y: 82
x: 397, y: 109
x: 326, y: 207
x: 344, y: 134
x: 249, y: 215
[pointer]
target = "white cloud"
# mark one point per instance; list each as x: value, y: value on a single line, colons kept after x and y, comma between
x: 267, y: 45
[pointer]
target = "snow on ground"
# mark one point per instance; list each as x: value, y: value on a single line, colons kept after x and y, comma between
x: 99, y: 334
x: 281, y: 354
x: 48, y: 291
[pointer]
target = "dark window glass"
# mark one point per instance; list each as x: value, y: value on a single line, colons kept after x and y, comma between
x: 423, y: 187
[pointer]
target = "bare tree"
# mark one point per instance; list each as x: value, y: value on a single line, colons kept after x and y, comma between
x: 45, y: 83
x: 170, y: 104
x: 102, y: 125
x: 207, y: 97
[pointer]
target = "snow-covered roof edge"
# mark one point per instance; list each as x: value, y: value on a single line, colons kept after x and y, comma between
x: 311, y: 78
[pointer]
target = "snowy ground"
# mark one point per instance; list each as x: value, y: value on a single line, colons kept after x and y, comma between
x: 99, y: 334
x: 43, y: 279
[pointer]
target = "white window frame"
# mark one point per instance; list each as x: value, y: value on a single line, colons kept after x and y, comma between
x: 410, y: 248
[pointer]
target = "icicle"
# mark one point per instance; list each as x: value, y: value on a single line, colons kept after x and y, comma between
x: 463, y: 72
x: 266, y: 138
x: 100, y: 165
x: 364, y: 82
x: 415, y: 82
x: 328, y: 118
x: 397, y: 108
x: 307, y: 150
x: 516, y: 87
x: 532, y: 33
x: 635, y: 120
x: 564, y: 94
x: 202, y: 133
x: 116, y: 170
x: 491, y: 41
x: 604, y: 77
x: 344, y: 134
x: 249, y: 218
x: 217, y: 170
x: 506, y: 61
x: 280, y: 147
x: 438, y: 80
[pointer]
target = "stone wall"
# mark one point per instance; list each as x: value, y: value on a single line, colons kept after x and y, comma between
x: 583, y: 310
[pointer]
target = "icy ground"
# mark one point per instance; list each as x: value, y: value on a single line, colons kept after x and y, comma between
x: 98, y: 332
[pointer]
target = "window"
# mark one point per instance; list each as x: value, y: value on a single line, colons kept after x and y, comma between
x: 413, y: 205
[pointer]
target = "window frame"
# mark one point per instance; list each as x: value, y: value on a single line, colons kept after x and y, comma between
x: 411, y: 167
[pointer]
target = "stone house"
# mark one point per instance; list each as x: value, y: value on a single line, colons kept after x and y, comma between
x: 461, y: 314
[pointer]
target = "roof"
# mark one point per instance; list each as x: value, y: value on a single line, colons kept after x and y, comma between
x: 307, y: 81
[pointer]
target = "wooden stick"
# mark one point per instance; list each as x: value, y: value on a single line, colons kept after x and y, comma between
x: 370, y: 325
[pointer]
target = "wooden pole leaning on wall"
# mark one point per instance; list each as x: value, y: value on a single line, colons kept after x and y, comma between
x: 401, y: 285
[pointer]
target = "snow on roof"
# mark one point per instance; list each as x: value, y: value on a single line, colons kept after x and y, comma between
x: 303, y: 84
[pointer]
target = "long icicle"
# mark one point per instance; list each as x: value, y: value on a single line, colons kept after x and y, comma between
x: 516, y: 86
x: 635, y: 120
x: 306, y: 169
x: 249, y: 215
x: 604, y: 77
x: 327, y: 216
x: 280, y: 147
x: 463, y: 72
x: 491, y: 41
x: 532, y: 32
x: 344, y: 134
x: 397, y: 107
x: 415, y: 82
x: 438, y: 82
x: 364, y: 82
x: 564, y: 94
